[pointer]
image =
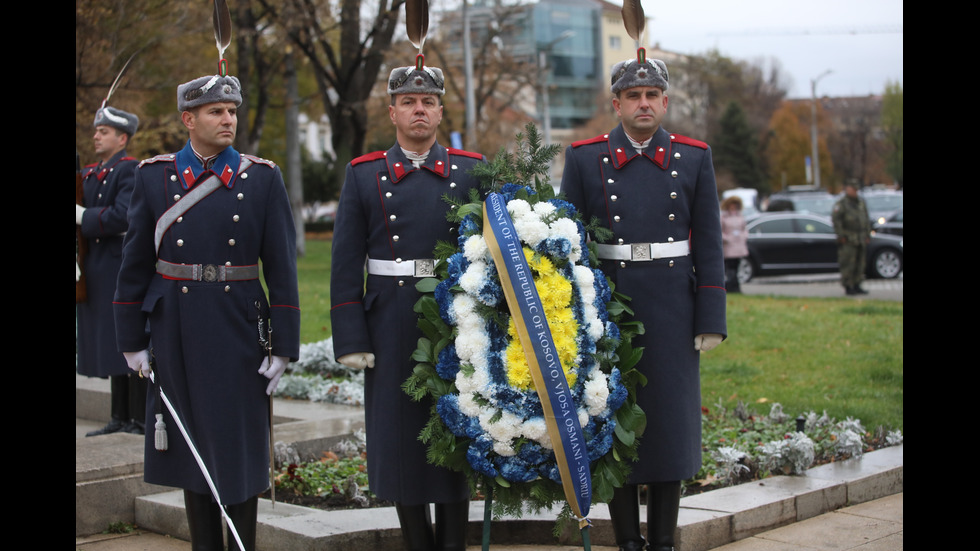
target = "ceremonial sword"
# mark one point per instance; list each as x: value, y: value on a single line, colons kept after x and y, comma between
x: 200, y: 461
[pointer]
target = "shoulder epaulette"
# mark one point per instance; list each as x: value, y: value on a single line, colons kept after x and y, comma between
x: 677, y: 138
x: 259, y: 160
x: 129, y: 159
x: 471, y: 154
x: 158, y: 158
x: 597, y: 139
x: 368, y: 157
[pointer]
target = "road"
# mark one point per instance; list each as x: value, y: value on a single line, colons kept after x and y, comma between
x: 823, y: 285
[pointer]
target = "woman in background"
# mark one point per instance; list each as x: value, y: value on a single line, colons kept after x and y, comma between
x: 734, y: 240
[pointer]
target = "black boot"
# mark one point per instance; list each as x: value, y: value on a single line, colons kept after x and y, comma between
x: 114, y: 425
x: 451, y: 522
x: 245, y: 516
x: 416, y: 523
x: 624, y: 513
x: 119, y: 406
x: 203, y: 521
x: 137, y: 404
x: 663, y: 503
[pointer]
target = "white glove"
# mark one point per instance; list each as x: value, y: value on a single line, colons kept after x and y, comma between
x: 78, y: 272
x: 273, y: 372
x: 357, y: 360
x: 706, y: 341
x: 79, y: 210
x: 139, y: 362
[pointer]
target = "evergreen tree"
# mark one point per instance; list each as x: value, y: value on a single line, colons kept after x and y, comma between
x: 735, y: 149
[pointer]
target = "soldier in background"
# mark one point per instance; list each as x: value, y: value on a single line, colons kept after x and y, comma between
x: 107, y: 187
x: 853, y: 228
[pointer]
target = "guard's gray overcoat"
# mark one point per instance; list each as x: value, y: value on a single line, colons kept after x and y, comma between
x: 107, y: 188
x: 666, y: 194
x: 391, y: 210
x: 204, y: 334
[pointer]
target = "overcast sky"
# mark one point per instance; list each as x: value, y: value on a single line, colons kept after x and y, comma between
x: 859, y: 41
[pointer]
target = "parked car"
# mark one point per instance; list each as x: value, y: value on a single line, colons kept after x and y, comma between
x: 801, y: 243
x: 881, y: 203
x: 891, y: 223
x: 813, y: 201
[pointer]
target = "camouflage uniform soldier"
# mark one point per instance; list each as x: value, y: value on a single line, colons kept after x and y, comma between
x: 853, y: 229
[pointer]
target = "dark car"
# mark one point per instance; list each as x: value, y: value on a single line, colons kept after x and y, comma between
x: 814, y: 201
x: 800, y: 243
x: 882, y: 202
x: 891, y: 223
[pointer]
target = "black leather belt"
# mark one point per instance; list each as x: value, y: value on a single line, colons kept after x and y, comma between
x: 207, y: 272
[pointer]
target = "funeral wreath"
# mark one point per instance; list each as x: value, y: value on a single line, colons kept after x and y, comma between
x: 488, y: 420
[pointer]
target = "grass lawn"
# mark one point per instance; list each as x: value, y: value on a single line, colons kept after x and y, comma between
x: 842, y: 355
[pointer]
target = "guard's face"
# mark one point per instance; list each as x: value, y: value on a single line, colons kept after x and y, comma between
x: 641, y: 109
x: 416, y: 117
x: 212, y: 127
x: 108, y: 141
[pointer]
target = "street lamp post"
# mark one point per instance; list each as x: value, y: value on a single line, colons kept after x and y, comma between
x: 545, y: 75
x: 813, y: 128
x: 468, y: 68
x: 545, y: 79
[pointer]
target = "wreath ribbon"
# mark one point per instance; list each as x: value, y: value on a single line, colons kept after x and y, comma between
x: 560, y: 413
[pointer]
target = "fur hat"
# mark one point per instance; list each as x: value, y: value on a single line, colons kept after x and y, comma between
x: 415, y: 80
x: 209, y: 89
x: 632, y: 73
x: 118, y: 119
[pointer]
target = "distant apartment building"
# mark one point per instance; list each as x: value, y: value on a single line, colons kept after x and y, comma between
x: 561, y: 40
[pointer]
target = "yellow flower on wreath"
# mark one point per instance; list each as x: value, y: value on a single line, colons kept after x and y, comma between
x: 556, y: 295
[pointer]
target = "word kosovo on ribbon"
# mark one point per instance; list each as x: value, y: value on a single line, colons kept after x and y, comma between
x: 560, y: 413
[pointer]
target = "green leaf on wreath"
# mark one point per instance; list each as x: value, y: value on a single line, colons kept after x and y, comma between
x: 424, y: 351
x: 427, y: 285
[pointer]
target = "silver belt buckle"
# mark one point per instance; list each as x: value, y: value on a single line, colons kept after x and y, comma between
x: 640, y: 251
x: 209, y: 273
x: 425, y: 267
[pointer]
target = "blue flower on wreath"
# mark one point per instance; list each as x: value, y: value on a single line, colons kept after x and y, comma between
x: 612, y: 331
x: 515, y: 470
x: 468, y: 226
x: 443, y: 300
x: 491, y: 293
x: 602, y: 441
x: 448, y: 364
x: 455, y: 420
x: 617, y: 392
x: 603, y: 293
x: 509, y: 191
x: 477, y: 454
x: 555, y: 247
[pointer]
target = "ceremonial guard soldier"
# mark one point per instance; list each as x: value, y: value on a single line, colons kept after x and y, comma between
x: 107, y: 187
x: 391, y: 214
x: 202, y: 222
x: 655, y: 191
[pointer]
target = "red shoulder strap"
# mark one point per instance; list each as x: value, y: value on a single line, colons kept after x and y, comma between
x: 597, y: 139
x: 368, y: 157
x: 471, y: 154
x: 677, y: 138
